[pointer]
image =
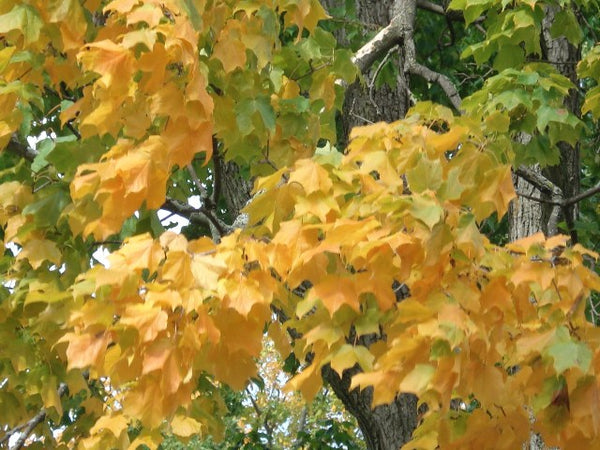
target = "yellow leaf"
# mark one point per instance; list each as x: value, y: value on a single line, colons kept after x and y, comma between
x: 417, y: 381
x: 410, y: 310
x: 349, y: 355
x: 116, y: 424
x: 36, y: 251
x: 185, y: 426
x: 49, y: 393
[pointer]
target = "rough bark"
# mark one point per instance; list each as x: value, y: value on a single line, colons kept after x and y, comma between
x: 526, y: 216
x: 386, y: 427
x: 365, y: 104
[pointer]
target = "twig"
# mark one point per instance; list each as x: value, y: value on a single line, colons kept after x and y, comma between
x: 197, y: 183
x: 27, y: 428
x: 217, y: 168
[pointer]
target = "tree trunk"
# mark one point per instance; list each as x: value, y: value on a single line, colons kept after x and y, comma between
x: 386, y: 427
x: 526, y: 216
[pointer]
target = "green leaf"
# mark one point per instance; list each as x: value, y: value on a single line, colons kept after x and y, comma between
x: 48, y: 206
x: 426, y: 210
x: 570, y: 354
x: 426, y: 175
x: 565, y: 24
x: 44, y: 148
x: 25, y: 19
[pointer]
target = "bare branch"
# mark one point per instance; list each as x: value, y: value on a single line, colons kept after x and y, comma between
x: 582, y: 195
x: 197, y: 183
x: 27, y: 428
x: 541, y: 183
x: 456, y: 16
x: 20, y: 149
x: 383, y: 41
x: 202, y: 216
x: 217, y: 161
x: 435, y: 77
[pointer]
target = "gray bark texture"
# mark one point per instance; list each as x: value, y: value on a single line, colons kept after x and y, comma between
x: 386, y: 427
x: 526, y: 216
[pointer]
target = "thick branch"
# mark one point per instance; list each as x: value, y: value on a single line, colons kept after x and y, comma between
x: 456, y: 16
x: 401, y: 31
x: 541, y: 183
x: 201, y: 215
x: 22, y: 150
x: 439, y: 78
x: 383, y: 41
x: 407, y: 11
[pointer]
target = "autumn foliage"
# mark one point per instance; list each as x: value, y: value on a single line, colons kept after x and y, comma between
x: 126, y: 94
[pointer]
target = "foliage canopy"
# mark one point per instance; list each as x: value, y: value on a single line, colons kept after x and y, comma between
x: 137, y: 104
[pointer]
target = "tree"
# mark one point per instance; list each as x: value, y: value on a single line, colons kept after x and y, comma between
x: 373, y: 256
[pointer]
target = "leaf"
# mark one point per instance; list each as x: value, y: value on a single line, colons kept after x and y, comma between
x: 570, y: 354
x: 348, y: 355
x: 311, y: 176
x: 335, y: 292
x: 25, y: 19
x: 36, y: 251
x: 116, y: 424
x: 185, y: 426
x: 418, y: 379
x: 426, y: 210
x: 425, y: 175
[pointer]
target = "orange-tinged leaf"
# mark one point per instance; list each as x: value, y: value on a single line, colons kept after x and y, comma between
x: 87, y: 349
x: 280, y: 339
x: 523, y: 245
x: 385, y: 384
x: 311, y: 176
x: 148, y: 320
x: 335, y: 292
x: 308, y: 382
x: 156, y: 354
x: 113, y: 62
x: 533, y: 344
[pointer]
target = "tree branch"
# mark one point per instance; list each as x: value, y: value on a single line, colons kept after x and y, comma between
x: 20, y: 149
x: 401, y: 31
x: 27, y: 428
x: 456, y: 16
x: 540, y: 182
x: 200, y: 215
x: 383, y: 41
